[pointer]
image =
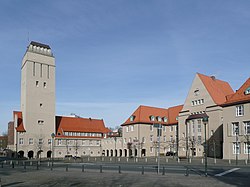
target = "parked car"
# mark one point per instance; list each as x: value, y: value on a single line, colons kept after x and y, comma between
x: 170, y: 153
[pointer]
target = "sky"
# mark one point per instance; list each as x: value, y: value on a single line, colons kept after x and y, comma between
x: 114, y: 55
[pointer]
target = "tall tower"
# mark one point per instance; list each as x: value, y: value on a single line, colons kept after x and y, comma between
x: 38, y: 98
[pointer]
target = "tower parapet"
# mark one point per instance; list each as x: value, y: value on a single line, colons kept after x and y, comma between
x: 40, y: 48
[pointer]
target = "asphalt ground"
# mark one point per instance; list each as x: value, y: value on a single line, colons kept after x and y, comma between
x: 61, y: 178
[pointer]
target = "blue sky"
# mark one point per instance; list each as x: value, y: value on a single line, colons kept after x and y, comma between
x: 114, y: 55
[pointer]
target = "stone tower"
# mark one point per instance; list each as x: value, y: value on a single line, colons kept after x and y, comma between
x: 38, y: 99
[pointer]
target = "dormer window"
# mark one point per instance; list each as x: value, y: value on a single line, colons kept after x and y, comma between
x: 152, y: 118
x: 132, y: 118
x: 165, y: 119
x: 158, y: 118
x: 247, y: 91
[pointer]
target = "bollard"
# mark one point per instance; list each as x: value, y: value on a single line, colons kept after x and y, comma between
x: 166, y: 159
x: 187, y: 172
x: 246, y: 162
x: 229, y: 161
x: 119, y: 169
x: 215, y: 161
x: 82, y: 168
x: 127, y: 159
x: 67, y: 167
x: 142, y: 170
x: 100, y: 168
x: 202, y: 160
x: 95, y: 158
x: 119, y: 159
x: 178, y: 160
x: 146, y: 159
x: 110, y: 159
x: 88, y: 159
x: 102, y: 159
x: 48, y: 164
x: 156, y: 159
x: 136, y: 159
x: 190, y: 160
x: 163, y: 171
x: 30, y: 163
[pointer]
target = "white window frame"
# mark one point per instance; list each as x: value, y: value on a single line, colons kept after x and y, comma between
x: 246, y: 148
x: 236, y: 147
x: 151, y: 138
x: 31, y: 141
x: 239, y: 110
x: 21, y: 141
x: 235, y: 126
x: 247, y: 127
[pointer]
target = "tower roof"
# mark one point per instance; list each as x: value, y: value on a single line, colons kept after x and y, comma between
x: 39, y: 45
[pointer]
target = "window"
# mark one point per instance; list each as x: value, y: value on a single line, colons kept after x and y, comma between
x: 212, y: 132
x: 158, y: 118
x: 164, y: 138
x: 236, y: 148
x: 151, y: 138
x: 165, y: 119
x: 198, y: 140
x: 41, y: 105
x: 37, y: 83
x: 40, y: 141
x: 235, y: 128
x: 164, y: 128
x: 196, y: 92
x: 48, y: 72
x: 49, y: 141
x: 21, y: 141
x: 143, y: 139
x: 132, y: 118
x: 247, y: 127
x: 151, y: 149
x: 151, y: 128
x: 199, y: 126
x: 31, y: 142
x: 247, y: 91
x: 59, y: 142
x: 83, y: 142
x: 124, y: 140
x: 41, y: 70
x: 127, y: 129
x: 171, y: 128
x: 40, y: 122
x: 34, y: 68
x: 171, y: 138
x: 132, y: 128
x: 44, y: 84
x: 239, y: 110
x: 152, y: 118
x: 246, y: 148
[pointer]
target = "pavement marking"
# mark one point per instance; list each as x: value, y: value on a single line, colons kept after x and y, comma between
x: 226, y: 172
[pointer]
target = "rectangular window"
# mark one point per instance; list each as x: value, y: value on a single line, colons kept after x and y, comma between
x: 236, y: 148
x: 143, y: 140
x: 21, y: 141
x: 41, y: 70
x: 132, y: 128
x: 40, y: 141
x: 59, y: 142
x: 246, y: 148
x: 127, y: 129
x: 151, y: 128
x: 49, y: 141
x: 37, y: 83
x: 151, y: 150
x: 247, y: 127
x: 34, y: 68
x: 151, y: 138
x: 31, y: 142
x: 171, y: 128
x: 164, y: 138
x: 239, y: 110
x: 48, y: 72
x: 40, y: 122
x: 171, y: 138
x: 198, y: 140
x: 199, y: 128
x: 44, y: 84
x: 235, y: 128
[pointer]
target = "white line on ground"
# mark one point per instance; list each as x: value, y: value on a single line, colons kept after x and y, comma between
x: 226, y: 172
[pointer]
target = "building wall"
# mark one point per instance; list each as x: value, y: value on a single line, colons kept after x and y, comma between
x: 205, y: 104
x: 229, y: 117
x: 37, y: 100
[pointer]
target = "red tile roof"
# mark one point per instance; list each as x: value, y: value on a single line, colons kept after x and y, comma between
x: 143, y: 113
x: 74, y: 124
x: 218, y: 89
x: 239, y: 96
x: 20, y: 126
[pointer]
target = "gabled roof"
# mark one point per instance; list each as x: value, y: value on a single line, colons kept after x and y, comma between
x: 240, y: 96
x: 20, y: 126
x: 74, y: 124
x: 143, y: 113
x: 217, y: 89
x: 173, y: 113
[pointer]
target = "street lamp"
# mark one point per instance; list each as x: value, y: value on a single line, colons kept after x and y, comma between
x: 205, y: 121
x: 52, y: 156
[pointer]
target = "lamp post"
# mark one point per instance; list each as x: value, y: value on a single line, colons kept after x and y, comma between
x: 205, y: 121
x: 159, y: 128
x: 52, y: 156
